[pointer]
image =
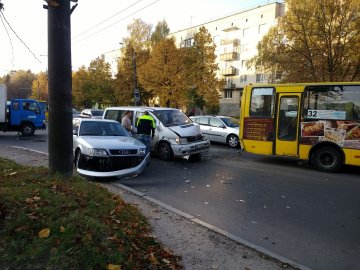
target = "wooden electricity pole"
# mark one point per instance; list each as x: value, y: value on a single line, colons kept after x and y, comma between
x: 60, y: 98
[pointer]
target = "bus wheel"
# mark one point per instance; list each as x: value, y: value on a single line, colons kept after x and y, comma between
x: 327, y: 159
x: 165, y: 151
x: 27, y: 129
x: 233, y: 141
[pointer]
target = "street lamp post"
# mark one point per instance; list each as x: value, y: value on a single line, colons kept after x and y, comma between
x: 136, y: 91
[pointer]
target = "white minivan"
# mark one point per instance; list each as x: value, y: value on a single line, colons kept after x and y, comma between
x: 175, y: 135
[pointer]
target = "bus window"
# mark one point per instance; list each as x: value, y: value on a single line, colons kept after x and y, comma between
x: 332, y: 102
x: 262, y: 102
x: 288, y: 118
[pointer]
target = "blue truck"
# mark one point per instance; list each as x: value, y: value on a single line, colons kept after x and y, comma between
x: 21, y: 115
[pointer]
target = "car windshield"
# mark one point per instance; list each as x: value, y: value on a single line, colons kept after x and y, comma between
x: 97, y: 128
x: 172, y: 117
x: 230, y: 122
x: 97, y: 113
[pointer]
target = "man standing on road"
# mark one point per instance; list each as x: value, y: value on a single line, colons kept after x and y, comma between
x: 146, y: 127
x: 126, y: 121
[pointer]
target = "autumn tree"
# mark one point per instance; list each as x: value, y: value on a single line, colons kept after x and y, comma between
x: 315, y: 41
x: 19, y: 84
x: 135, y: 53
x: 162, y: 30
x: 40, y: 89
x: 201, y: 70
x: 81, y: 96
x: 163, y: 75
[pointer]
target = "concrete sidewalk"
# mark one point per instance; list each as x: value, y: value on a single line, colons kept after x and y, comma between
x: 200, y: 245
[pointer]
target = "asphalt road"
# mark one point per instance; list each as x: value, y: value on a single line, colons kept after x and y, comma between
x: 307, y: 216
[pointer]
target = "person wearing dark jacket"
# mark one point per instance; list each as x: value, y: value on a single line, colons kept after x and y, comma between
x: 146, y: 127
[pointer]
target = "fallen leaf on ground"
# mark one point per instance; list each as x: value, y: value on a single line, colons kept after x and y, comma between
x: 113, y: 267
x: 62, y: 229
x: 44, y: 233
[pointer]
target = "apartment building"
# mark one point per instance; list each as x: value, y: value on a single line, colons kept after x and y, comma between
x: 236, y: 37
x: 112, y: 57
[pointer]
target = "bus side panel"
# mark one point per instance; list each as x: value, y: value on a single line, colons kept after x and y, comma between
x: 352, y: 157
x: 258, y: 147
x: 304, y: 151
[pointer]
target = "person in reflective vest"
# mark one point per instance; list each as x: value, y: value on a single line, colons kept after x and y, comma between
x: 146, y: 128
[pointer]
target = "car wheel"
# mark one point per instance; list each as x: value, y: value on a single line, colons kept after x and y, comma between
x: 233, y: 141
x: 77, y: 158
x: 327, y: 159
x: 165, y: 151
x: 27, y: 129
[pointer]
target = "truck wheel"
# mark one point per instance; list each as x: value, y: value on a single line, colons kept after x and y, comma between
x: 165, y: 151
x: 327, y: 159
x: 233, y: 141
x: 27, y: 129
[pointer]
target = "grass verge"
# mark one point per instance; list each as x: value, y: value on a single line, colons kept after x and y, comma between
x: 50, y: 222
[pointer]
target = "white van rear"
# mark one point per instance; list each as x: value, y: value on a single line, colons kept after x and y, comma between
x: 175, y: 135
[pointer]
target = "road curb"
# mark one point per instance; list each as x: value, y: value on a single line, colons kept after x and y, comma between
x: 214, y: 228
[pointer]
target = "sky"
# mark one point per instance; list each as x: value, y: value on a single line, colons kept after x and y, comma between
x: 97, y: 26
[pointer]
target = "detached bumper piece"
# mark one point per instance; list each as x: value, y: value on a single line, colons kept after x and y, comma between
x: 112, y: 166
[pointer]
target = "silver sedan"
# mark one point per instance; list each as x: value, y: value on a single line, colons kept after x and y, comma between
x: 103, y: 148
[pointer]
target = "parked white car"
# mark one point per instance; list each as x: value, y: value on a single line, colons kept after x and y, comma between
x: 92, y: 113
x: 222, y: 129
x: 103, y: 148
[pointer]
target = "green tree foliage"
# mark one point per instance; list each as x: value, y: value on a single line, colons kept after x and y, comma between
x: 135, y: 53
x: 201, y: 69
x: 163, y: 75
x: 19, y: 84
x: 315, y: 41
x: 162, y: 30
x: 93, y: 86
x: 80, y: 81
x: 40, y: 90
x: 139, y: 35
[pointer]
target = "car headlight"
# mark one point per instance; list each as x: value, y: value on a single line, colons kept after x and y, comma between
x: 142, y: 151
x: 180, y: 140
x: 97, y: 152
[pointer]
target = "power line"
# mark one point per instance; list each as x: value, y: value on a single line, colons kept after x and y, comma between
x: 7, y: 32
x: 18, y: 36
x: 116, y: 22
x: 86, y: 31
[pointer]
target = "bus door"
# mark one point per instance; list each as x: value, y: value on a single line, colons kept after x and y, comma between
x: 287, y: 124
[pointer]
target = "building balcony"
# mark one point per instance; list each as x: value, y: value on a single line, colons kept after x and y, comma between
x: 234, y: 42
x: 228, y: 71
x: 229, y: 56
x: 229, y: 86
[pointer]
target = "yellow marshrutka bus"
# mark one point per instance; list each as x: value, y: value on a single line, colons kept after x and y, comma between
x: 319, y: 122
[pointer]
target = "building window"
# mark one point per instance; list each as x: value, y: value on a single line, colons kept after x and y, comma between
x: 243, y: 78
x: 228, y: 93
x: 262, y: 29
x: 188, y: 42
x: 260, y: 77
x: 245, y: 32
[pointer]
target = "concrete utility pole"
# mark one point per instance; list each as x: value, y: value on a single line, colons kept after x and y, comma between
x: 60, y: 98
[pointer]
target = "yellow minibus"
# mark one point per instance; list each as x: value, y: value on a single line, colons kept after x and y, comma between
x: 319, y: 122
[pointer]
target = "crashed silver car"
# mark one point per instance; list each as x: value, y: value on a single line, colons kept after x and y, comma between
x: 103, y: 148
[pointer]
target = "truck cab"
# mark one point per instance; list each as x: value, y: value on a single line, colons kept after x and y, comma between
x: 25, y: 115
x: 22, y: 115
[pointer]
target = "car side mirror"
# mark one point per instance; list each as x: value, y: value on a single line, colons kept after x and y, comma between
x: 74, y: 132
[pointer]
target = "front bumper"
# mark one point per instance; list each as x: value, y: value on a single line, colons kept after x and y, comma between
x: 107, y: 167
x: 181, y: 150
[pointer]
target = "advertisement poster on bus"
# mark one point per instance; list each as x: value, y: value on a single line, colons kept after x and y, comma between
x: 344, y: 133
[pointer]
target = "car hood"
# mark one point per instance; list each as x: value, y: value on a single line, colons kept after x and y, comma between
x: 110, y: 142
x: 186, y: 130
